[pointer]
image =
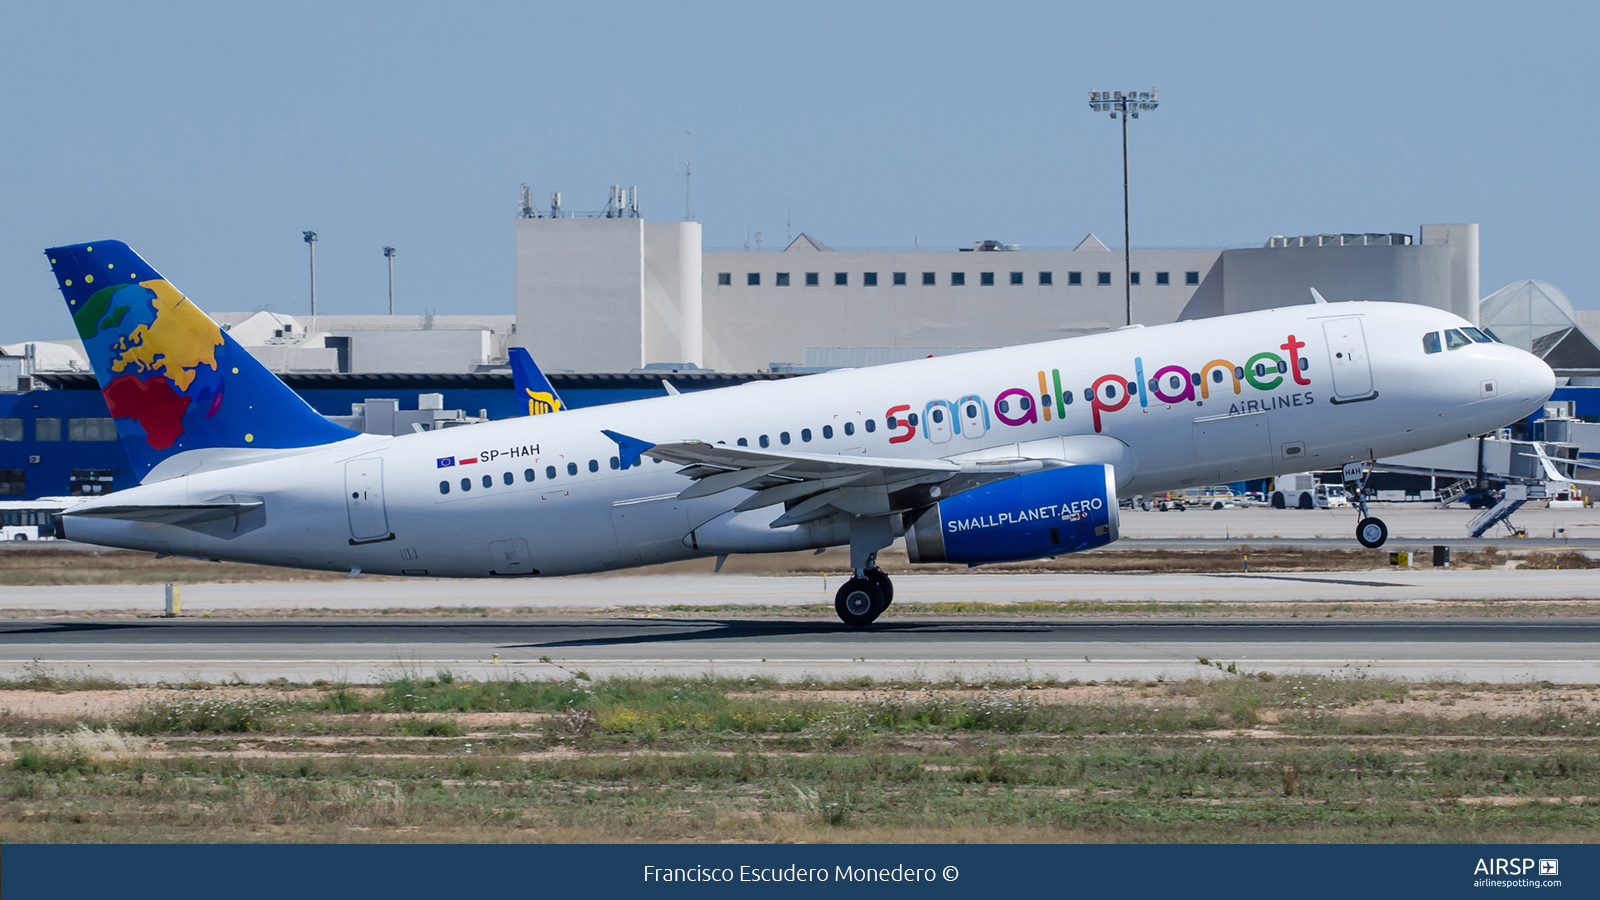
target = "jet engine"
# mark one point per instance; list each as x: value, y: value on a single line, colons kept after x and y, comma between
x: 1027, y: 517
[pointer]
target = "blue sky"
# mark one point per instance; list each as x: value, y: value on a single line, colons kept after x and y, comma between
x: 208, y: 136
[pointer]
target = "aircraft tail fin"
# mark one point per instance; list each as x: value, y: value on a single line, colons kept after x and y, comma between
x: 172, y: 379
x: 532, y: 385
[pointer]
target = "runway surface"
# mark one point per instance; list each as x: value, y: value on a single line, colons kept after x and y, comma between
x: 664, y: 591
x: 367, y: 650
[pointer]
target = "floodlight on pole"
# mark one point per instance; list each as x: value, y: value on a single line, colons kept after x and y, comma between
x: 388, y: 253
x: 1125, y: 103
x: 311, y: 244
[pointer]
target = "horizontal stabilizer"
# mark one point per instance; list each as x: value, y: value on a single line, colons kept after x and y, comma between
x: 184, y: 514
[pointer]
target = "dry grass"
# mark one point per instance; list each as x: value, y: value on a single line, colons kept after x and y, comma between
x: 1249, y: 758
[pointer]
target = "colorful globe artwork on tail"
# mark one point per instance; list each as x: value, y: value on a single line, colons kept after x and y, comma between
x: 172, y: 379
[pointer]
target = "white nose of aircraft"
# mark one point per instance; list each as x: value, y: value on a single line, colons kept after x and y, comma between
x: 1534, y: 376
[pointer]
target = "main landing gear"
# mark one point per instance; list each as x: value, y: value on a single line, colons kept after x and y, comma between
x: 864, y: 598
x: 1370, y: 530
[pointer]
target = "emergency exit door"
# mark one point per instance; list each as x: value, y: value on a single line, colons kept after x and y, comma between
x: 363, y: 498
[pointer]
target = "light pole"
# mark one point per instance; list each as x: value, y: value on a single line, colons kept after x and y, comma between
x: 1127, y: 103
x: 311, y: 244
x: 388, y: 253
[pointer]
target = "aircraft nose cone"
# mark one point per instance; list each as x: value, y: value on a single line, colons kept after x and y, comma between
x: 1535, y: 376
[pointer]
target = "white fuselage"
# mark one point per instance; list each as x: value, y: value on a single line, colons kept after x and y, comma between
x: 393, y: 505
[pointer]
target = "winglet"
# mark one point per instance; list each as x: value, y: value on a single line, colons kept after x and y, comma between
x: 1316, y: 297
x: 629, y: 449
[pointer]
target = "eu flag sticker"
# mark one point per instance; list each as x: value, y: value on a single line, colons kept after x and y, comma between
x: 445, y: 462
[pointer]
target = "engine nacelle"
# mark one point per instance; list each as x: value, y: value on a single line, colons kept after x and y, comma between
x: 1028, y: 517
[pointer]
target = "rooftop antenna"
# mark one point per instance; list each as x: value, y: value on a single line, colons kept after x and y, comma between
x: 633, y: 203
x: 788, y: 220
x: 688, y: 210
x: 555, y: 204
x: 528, y: 211
x: 758, y: 241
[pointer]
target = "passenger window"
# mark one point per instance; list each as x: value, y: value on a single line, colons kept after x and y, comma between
x: 1066, y: 398
x: 1088, y: 394
x: 763, y: 441
x: 972, y: 411
x: 912, y: 419
x: 1174, y: 382
x: 1238, y: 373
x: 1216, y: 375
x: 1003, y: 406
x: 550, y: 472
x: 594, y: 465
x: 572, y: 468
x: 1430, y: 342
x: 444, y: 487
x: 827, y: 432
x: 466, y: 484
x: 937, y: 416
x: 1455, y: 340
x: 1477, y: 335
x: 1304, y: 365
x: 1026, y: 403
x: 849, y: 428
x: 743, y: 443
x: 527, y: 474
x: 871, y: 425
x: 783, y: 438
x: 509, y: 479
x: 488, y: 481
x: 805, y: 435
x: 616, y: 463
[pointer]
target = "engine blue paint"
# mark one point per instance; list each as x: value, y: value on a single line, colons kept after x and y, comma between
x: 1013, y: 519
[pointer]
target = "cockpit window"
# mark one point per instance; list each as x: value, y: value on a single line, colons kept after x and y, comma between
x: 1478, y: 336
x: 1430, y: 342
x: 1455, y: 340
x: 1492, y: 336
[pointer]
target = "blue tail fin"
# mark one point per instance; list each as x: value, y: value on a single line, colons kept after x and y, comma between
x: 532, y: 385
x: 172, y: 379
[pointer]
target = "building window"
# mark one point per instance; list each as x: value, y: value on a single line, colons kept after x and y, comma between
x: 957, y: 279
x: 10, y: 429
x: 841, y: 278
x: 47, y: 429
x: 869, y: 279
x: 899, y: 278
x: 812, y: 280
x: 1016, y: 277
x: 1047, y: 278
x: 1191, y: 278
x: 724, y: 278
x: 1133, y: 277
x: 96, y: 429
x: 752, y: 279
x: 929, y: 279
x: 13, y: 481
x: 986, y: 279
x: 1163, y: 278
x: 1104, y: 278
x: 1074, y: 278
x: 781, y: 279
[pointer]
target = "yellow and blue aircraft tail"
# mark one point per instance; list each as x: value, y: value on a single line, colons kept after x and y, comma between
x: 172, y: 379
x: 532, y: 386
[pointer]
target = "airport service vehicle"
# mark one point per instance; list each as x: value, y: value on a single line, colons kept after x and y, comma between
x: 32, y: 520
x: 1301, y: 490
x: 1010, y: 454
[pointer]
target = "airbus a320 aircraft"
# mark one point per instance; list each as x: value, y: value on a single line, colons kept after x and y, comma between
x: 983, y: 457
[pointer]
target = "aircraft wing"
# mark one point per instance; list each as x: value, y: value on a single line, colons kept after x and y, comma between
x: 814, y: 485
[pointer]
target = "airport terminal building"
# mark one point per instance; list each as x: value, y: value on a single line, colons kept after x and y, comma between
x: 610, y: 303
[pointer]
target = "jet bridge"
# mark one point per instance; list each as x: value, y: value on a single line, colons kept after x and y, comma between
x: 1490, y: 470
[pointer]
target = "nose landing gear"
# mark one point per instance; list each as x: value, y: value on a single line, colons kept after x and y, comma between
x: 1370, y: 530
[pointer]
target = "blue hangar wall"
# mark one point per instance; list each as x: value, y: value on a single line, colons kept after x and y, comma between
x: 47, y: 467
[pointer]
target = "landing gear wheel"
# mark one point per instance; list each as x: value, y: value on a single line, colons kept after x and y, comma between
x: 859, y: 602
x: 1372, y: 533
x: 881, y: 579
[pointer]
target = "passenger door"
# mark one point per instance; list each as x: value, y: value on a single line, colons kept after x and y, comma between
x: 363, y: 498
x: 1347, y: 357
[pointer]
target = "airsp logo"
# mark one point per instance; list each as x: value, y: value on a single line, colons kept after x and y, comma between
x: 1502, y: 866
x: 1549, y: 867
